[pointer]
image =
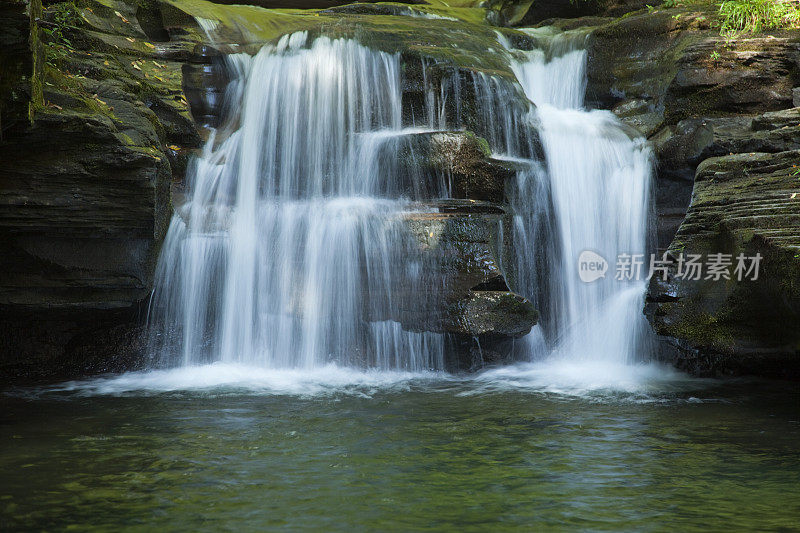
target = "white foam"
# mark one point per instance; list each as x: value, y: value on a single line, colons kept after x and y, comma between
x: 588, y: 379
x: 234, y: 378
x: 552, y: 379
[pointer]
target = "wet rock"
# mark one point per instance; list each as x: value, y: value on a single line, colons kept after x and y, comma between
x: 742, y: 204
x: 675, y: 62
x: 204, y: 86
x: 493, y: 313
x: 461, y: 161
x: 464, y: 247
x: 680, y: 148
x: 635, y: 58
x: 753, y: 75
x: 639, y: 114
x: 545, y: 10
x: 465, y: 242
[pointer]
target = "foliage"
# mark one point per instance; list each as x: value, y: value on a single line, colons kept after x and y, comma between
x: 758, y: 15
x: 62, y: 17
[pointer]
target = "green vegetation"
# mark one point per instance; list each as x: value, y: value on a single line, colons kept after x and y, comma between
x: 64, y: 16
x: 59, y: 20
x: 757, y: 15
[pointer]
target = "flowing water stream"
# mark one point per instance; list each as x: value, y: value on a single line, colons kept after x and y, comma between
x: 593, y: 194
x: 291, y: 246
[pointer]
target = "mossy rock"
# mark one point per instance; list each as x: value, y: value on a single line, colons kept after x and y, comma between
x: 742, y: 204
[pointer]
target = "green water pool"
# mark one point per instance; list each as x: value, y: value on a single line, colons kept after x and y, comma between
x: 454, y: 454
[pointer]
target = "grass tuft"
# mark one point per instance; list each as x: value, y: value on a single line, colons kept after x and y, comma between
x: 754, y: 16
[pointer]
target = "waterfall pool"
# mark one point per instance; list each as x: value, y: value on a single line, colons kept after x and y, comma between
x: 530, y: 447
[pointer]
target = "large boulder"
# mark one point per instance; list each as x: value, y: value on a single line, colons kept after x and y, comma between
x: 464, y: 248
x: 742, y: 204
x: 459, y: 163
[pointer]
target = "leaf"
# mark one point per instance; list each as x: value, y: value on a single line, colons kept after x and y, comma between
x: 174, y: 147
x: 131, y: 39
x: 793, y: 196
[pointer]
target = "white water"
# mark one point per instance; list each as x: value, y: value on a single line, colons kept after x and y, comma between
x: 285, y: 266
x: 592, y: 195
x: 291, y: 248
x: 577, y: 380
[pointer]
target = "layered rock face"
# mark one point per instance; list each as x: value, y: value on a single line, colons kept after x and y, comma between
x: 89, y: 148
x: 745, y: 203
x: 721, y: 118
x: 99, y: 116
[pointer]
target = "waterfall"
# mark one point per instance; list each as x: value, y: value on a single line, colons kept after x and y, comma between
x: 592, y: 193
x: 291, y: 251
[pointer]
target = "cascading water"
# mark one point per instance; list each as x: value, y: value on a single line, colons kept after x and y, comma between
x: 292, y: 252
x: 291, y: 247
x: 593, y: 194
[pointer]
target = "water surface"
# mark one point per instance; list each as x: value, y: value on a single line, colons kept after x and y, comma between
x: 223, y: 447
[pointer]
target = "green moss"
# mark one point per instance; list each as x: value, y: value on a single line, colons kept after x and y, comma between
x: 37, y: 51
x: 701, y: 329
x: 482, y: 143
x: 463, y: 42
x: 240, y: 23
